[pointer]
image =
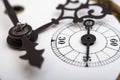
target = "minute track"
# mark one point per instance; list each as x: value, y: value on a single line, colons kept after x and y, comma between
x: 97, y: 53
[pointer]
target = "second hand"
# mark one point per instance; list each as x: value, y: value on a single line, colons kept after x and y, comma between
x: 88, y: 39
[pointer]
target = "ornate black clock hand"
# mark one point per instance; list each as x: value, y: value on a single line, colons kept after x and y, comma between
x: 22, y: 37
x: 34, y: 56
x: 88, y: 39
x: 44, y: 27
x: 11, y: 12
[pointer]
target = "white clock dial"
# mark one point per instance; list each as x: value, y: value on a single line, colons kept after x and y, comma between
x: 66, y: 45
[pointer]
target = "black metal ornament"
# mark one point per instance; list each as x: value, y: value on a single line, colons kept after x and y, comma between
x: 75, y: 18
x: 104, y: 12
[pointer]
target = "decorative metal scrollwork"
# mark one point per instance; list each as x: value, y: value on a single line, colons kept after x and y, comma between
x: 75, y: 18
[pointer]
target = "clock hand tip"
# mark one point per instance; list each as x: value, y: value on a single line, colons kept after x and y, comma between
x: 11, y: 12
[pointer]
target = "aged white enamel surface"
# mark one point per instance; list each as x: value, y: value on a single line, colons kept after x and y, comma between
x: 36, y: 14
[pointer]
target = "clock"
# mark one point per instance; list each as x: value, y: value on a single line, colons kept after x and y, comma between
x: 76, y: 47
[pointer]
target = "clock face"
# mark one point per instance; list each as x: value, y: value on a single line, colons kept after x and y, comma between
x: 64, y: 56
x: 67, y: 45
